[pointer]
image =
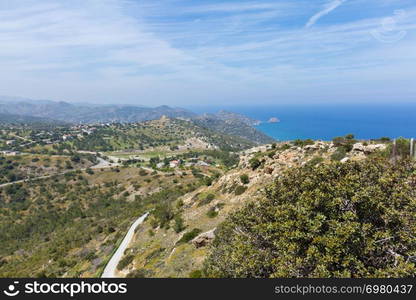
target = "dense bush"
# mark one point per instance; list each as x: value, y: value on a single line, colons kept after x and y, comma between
x: 254, y: 163
x: 196, y: 274
x: 244, y: 179
x: 212, y: 212
x: 303, y: 143
x: 206, y: 199
x: 163, y: 214
x: 137, y: 274
x: 125, y: 261
x: 240, y: 190
x: 179, y: 224
x: 339, y: 154
x: 338, y: 220
x: 315, y: 161
x: 346, y: 142
x: 189, y: 236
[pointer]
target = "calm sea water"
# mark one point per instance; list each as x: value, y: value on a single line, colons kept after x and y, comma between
x: 327, y: 122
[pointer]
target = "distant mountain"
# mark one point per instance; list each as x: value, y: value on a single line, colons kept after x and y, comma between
x: 226, y: 115
x: 29, y: 120
x: 223, y: 122
x: 75, y: 113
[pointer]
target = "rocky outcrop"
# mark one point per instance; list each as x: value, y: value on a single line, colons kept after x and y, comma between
x: 359, y: 147
x: 373, y: 148
x: 317, y: 146
x: 204, y: 238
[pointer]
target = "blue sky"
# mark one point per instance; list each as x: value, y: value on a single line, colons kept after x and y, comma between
x: 186, y: 52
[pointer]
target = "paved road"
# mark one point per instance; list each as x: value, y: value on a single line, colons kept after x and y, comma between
x: 110, y: 269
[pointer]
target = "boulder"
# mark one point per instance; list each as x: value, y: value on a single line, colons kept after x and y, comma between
x: 358, y: 147
x: 204, y: 239
x: 345, y: 159
x: 373, y: 148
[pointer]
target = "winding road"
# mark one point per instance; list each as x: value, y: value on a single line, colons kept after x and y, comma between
x: 111, y: 267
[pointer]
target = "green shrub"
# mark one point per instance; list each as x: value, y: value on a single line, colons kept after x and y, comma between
x: 206, y: 200
x: 254, y: 163
x: 137, y: 274
x: 189, y: 236
x: 212, y: 213
x: 163, y: 214
x: 303, y: 143
x: 244, y: 179
x: 196, y: 274
x: 143, y: 172
x: 339, y: 154
x: 240, y: 190
x: 337, y: 220
x: 284, y: 147
x: 179, y: 224
x: 346, y: 142
x: 207, y: 181
x: 315, y: 161
x: 125, y: 261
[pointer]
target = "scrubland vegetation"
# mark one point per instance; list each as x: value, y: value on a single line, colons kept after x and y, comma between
x: 218, y: 208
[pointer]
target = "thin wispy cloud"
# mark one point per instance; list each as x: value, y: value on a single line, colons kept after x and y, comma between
x: 329, y: 7
x: 237, y: 7
x: 185, y: 52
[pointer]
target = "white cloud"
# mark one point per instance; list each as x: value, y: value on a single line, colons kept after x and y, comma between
x: 237, y: 7
x: 329, y: 7
x: 109, y: 50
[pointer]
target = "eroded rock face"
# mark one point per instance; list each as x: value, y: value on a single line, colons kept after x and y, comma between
x: 359, y: 147
x: 317, y: 146
x: 204, y: 239
x: 374, y: 148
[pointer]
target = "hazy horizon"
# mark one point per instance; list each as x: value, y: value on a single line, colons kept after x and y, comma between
x: 187, y: 53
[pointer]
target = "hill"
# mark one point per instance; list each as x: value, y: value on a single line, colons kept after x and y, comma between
x: 15, y: 119
x: 69, y: 224
x: 182, y: 253
x: 75, y: 113
x: 165, y: 132
x: 235, y: 125
x: 51, y: 112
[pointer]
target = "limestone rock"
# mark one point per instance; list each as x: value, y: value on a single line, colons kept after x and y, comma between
x: 358, y: 147
x: 204, y: 238
x: 373, y: 148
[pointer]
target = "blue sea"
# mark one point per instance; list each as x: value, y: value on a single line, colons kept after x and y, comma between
x: 326, y: 122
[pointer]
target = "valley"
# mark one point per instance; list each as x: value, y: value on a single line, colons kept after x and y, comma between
x: 70, y: 194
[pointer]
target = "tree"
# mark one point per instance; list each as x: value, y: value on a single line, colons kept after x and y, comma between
x: 179, y: 224
x: 337, y: 220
